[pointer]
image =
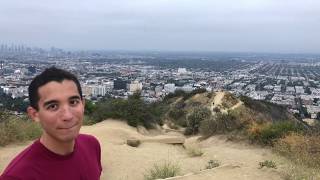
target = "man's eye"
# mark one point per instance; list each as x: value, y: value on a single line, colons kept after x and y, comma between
x: 74, y: 102
x: 52, y: 107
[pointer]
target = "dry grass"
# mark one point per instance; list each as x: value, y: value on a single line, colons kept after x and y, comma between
x: 17, y: 129
x: 304, y: 152
x: 303, y: 149
x: 161, y: 171
x: 300, y: 172
x: 194, y: 150
x: 229, y: 100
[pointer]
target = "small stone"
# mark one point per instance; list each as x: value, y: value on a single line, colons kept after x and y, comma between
x: 133, y: 142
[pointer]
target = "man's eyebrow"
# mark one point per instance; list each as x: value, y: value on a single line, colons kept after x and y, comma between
x: 50, y: 102
x: 75, y: 97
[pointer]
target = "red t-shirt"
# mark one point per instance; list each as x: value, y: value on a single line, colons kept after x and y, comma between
x: 38, y: 163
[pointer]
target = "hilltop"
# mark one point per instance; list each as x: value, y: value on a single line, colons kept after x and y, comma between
x: 121, y: 161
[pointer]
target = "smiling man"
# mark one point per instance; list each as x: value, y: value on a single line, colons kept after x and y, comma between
x: 61, y: 152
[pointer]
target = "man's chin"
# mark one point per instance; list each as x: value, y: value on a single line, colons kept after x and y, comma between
x: 69, y: 137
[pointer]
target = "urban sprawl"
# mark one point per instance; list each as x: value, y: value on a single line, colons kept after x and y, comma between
x: 286, y: 80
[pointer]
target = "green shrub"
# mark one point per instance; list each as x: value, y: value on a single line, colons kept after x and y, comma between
x: 161, y: 171
x: 212, y: 164
x: 208, y: 127
x: 268, y: 133
x: 177, y: 93
x: 90, y: 107
x: 268, y: 164
x: 229, y: 100
x: 178, y: 116
x: 18, y: 129
x: 195, y: 117
x: 194, y: 150
x: 220, y: 123
x: 87, y: 121
x: 270, y: 111
x: 194, y: 92
x: 134, y: 110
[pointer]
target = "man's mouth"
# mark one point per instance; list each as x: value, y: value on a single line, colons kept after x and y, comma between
x: 68, y: 127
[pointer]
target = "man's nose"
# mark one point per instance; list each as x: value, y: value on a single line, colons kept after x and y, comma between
x: 66, y: 113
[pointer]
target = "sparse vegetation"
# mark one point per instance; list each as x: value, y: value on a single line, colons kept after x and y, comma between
x: 134, y: 110
x: 195, y: 118
x: 229, y: 100
x: 212, y: 164
x: 161, y: 171
x: 268, y: 164
x: 178, y: 116
x: 193, y: 150
x: 299, y: 172
x: 219, y: 123
x: 266, y: 111
x: 183, y: 94
x: 17, y: 129
x: 302, y: 149
x: 269, y: 133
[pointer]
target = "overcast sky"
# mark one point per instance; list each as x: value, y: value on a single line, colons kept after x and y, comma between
x: 183, y: 25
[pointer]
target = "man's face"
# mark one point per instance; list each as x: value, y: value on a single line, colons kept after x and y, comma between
x: 60, y: 111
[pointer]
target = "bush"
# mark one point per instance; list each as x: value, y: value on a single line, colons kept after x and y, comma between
x: 177, y: 93
x: 195, y: 117
x: 134, y: 110
x: 229, y: 100
x: 212, y: 164
x: 87, y: 121
x: 302, y: 149
x: 267, y: 133
x: 18, y: 129
x: 194, y: 150
x: 89, y: 107
x: 194, y: 92
x: 220, y: 123
x: 208, y: 127
x: 178, y: 116
x: 270, y: 111
x: 268, y: 164
x: 161, y: 171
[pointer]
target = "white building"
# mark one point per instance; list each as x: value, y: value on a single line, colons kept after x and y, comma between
x: 182, y: 71
x: 277, y: 88
x: 169, y: 88
x: 290, y: 89
x: 315, y: 92
x: 299, y: 89
x: 135, y: 86
x: 99, y: 90
x: 186, y: 88
x: 87, y: 90
x: 158, y: 91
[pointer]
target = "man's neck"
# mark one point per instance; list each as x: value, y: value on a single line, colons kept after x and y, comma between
x: 61, y: 148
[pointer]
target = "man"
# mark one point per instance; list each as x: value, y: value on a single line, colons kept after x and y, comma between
x: 56, y: 103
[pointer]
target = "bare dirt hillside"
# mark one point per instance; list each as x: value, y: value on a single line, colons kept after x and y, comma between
x: 121, y: 162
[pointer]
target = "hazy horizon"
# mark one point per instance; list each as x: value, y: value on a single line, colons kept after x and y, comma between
x: 245, y: 26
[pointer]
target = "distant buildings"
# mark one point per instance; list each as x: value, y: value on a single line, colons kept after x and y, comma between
x: 169, y: 88
x: 135, y: 86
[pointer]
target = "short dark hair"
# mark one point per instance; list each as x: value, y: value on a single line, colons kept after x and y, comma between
x: 48, y: 75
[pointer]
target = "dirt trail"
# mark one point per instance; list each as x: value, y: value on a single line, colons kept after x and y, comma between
x: 218, y: 100
x: 122, y: 162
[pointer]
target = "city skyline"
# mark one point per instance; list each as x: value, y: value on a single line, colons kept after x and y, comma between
x: 161, y: 25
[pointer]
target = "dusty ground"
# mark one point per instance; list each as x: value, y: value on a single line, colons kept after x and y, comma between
x: 121, y: 162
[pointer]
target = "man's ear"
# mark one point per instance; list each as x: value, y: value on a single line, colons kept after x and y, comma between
x: 33, y: 113
x: 83, y: 103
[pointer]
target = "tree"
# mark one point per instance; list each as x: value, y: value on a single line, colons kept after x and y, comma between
x: 195, y: 117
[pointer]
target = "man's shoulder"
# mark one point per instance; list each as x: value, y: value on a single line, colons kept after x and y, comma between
x: 21, y: 163
x: 86, y: 138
